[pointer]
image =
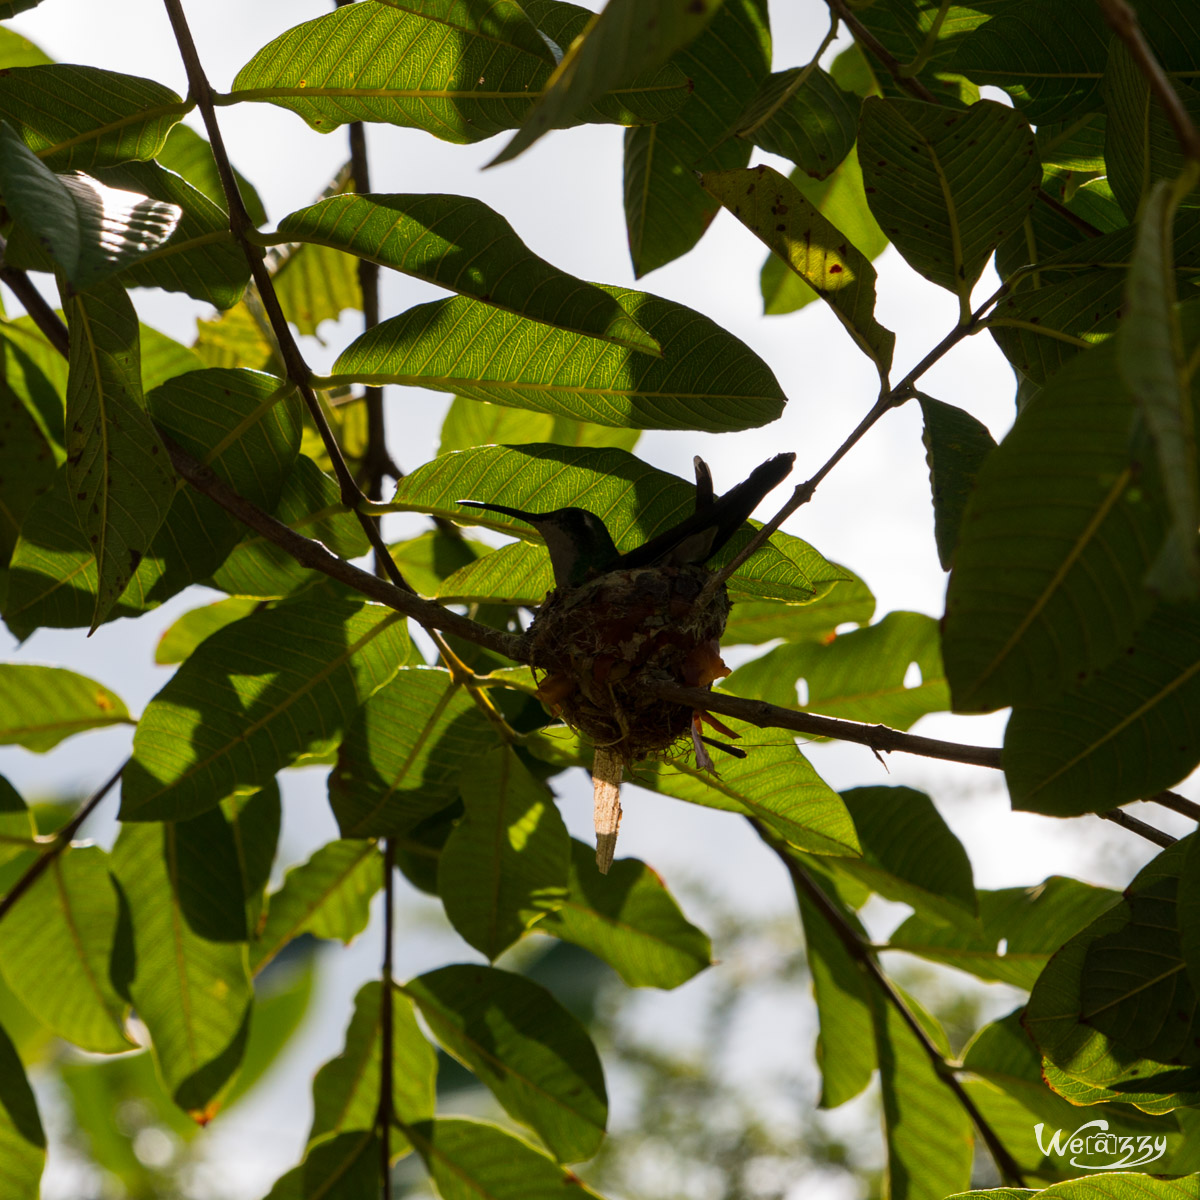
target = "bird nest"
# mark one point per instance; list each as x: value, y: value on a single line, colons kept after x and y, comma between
x: 597, y: 642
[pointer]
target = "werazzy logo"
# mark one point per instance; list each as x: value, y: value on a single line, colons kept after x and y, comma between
x: 1086, y: 1148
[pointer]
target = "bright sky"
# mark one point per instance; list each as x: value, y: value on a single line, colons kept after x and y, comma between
x: 564, y: 198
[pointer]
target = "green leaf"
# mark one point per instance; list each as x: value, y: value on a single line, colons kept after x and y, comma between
x: 625, y: 40
x: 628, y: 919
x: 90, y: 229
x: 254, y: 821
x: 909, y: 854
x: 17, y: 828
x: 244, y: 424
x: 194, y: 995
x: 844, y: 601
x: 185, y: 634
x: 315, y: 284
x: 929, y: 1133
x: 40, y: 706
x: 635, y: 501
x: 536, y: 1058
x: 774, y: 783
x: 186, y: 153
x: 37, y: 373
x: 309, y: 503
x: 706, y: 378
x: 55, y: 947
x: 16, y: 51
x: 346, y: 1089
x: 433, y: 556
x: 465, y: 73
x: 505, y: 864
x: 956, y: 445
x: 1128, y: 731
x: 843, y: 202
x: 221, y: 724
x: 666, y: 210
x: 1019, y: 929
x: 925, y: 172
x: 846, y: 1042
x: 77, y: 118
x: 471, y: 1159
x: 404, y: 752
x: 164, y: 359
x: 1051, y: 535
x: 327, y: 896
x: 461, y: 244
x: 1153, y: 364
x: 26, y: 465
x: 22, y: 1142
x: 1140, y: 145
x: 121, y: 484
x: 776, y: 212
x: 803, y: 114
x: 1082, y: 1062
x: 859, y: 676
x: 1022, y: 49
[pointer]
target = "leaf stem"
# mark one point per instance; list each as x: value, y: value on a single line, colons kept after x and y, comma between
x: 57, y: 843
x: 860, y: 951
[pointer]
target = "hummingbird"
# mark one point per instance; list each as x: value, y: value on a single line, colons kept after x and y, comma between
x: 581, y: 547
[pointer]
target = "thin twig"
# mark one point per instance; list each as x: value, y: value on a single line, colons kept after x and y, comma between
x: 57, y: 843
x: 1117, y: 817
x: 385, y: 1114
x: 1177, y: 803
x: 315, y: 556
x: 1124, y: 23
x: 861, y: 953
x: 298, y: 371
x: 36, y: 305
x: 867, y: 39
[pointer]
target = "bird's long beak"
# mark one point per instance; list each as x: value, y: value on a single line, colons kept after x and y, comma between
x: 500, y: 508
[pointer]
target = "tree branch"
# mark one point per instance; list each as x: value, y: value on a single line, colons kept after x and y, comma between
x: 36, y: 305
x: 867, y: 39
x: 1177, y: 803
x: 858, y: 950
x: 298, y: 371
x: 57, y: 842
x: 386, y: 1023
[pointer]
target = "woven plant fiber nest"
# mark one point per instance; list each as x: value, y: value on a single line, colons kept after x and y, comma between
x: 597, y: 641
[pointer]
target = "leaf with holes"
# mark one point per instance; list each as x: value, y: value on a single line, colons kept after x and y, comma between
x: 859, y: 676
x: 1031, y: 922
x: 947, y: 187
x: 1072, y: 547
x: 404, y: 752
x: 777, y: 213
x: 461, y: 244
x: 75, y: 118
x: 706, y: 378
x: 223, y: 723
x: 516, y: 1038
x: 121, y: 484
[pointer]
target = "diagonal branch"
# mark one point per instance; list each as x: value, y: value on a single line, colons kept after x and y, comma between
x: 861, y: 953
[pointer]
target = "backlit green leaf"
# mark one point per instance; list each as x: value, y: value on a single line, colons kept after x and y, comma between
x: 77, y: 118
x: 55, y: 947
x: 193, y: 994
x: 40, y: 706
x: 628, y: 919
x: 222, y: 723
x: 706, y: 379
x: 193, y: 627
x: 534, y: 1055
x: 463, y: 245
x: 22, y: 1142
x: 404, y: 752
x: 505, y: 864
